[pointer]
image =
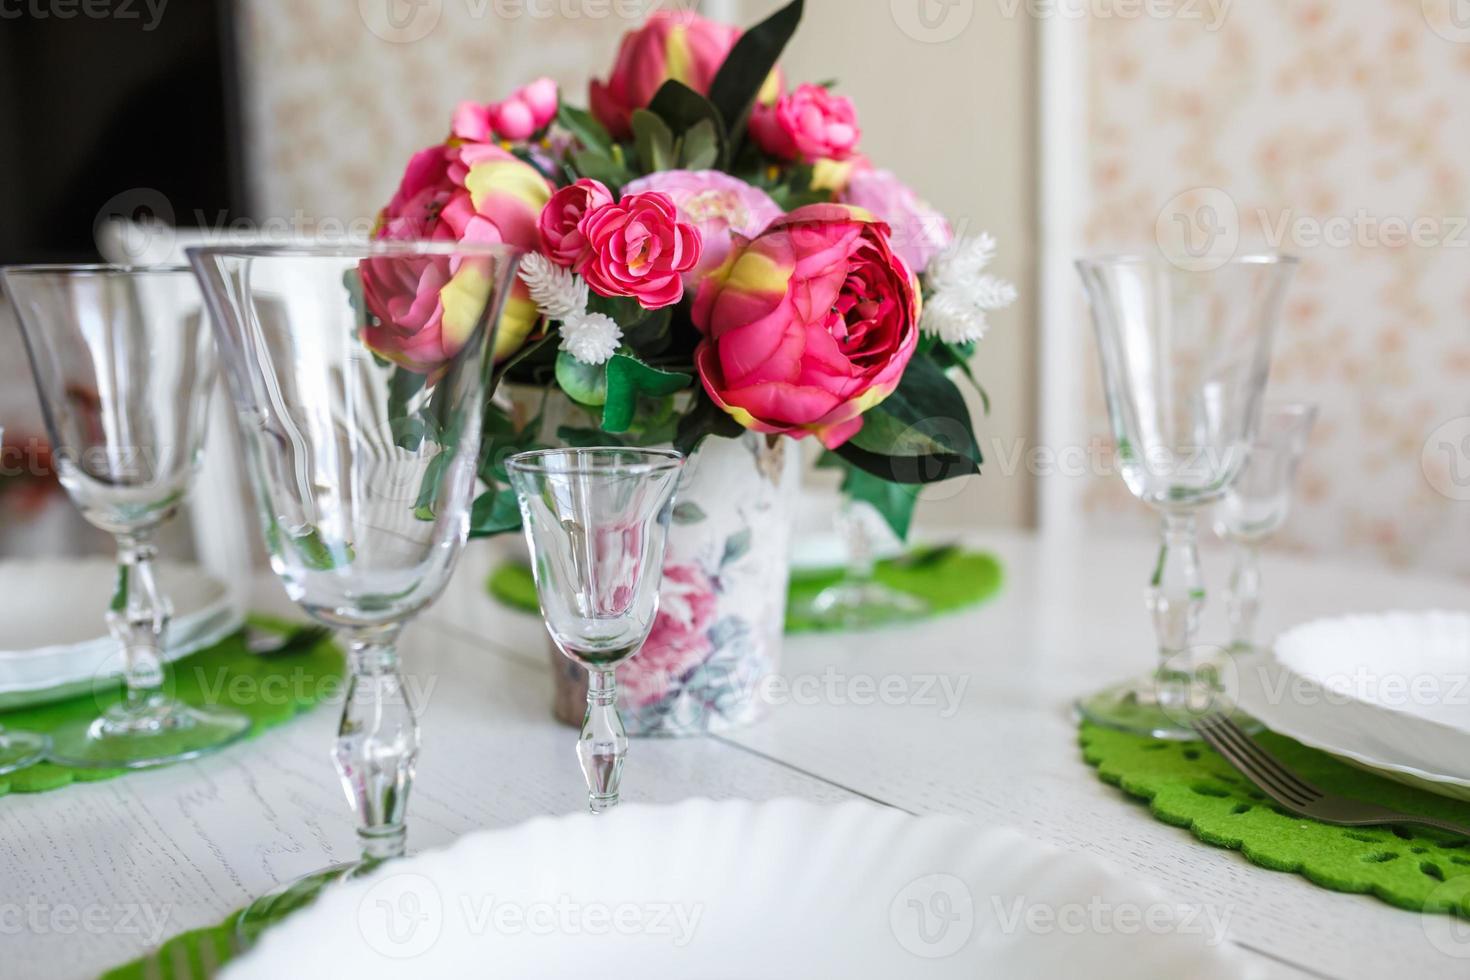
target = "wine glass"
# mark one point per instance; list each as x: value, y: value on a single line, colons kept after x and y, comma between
x: 19, y: 749
x: 358, y: 375
x: 858, y: 600
x: 1256, y: 505
x: 124, y: 365
x: 596, y: 521
x: 1185, y: 352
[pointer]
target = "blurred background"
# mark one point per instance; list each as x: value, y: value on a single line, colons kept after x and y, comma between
x: 1063, y: 127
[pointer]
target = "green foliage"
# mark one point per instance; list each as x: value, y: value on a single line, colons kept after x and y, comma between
x: 629, y: 378
x: 495, y: 512
x: 749, y: 63
x: 922, y: 433
x: 585, y: 127
x: 894, y: 501
x: 703, y: 142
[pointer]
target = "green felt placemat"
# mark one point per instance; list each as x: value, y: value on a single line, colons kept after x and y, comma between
x: 269, y: 690
x: 1188, y: 784
x: 945, y: 577
x: 183, y: 956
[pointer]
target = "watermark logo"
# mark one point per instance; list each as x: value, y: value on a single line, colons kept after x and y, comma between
x: 400, y: 21
x: 401, y: 916
x: 1199, y: 229
x: 1446, y: 921
x: 1450, y: 19
x: 932, y: 21
x: 1445, y: 459
x: 933, y: 916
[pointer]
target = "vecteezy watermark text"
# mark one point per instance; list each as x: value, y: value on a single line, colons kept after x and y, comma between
x: 147, y: 12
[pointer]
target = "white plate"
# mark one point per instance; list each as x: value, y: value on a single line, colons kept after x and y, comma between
x: 1389, y: 692
x: 738, y: 889
x: 54, y: 642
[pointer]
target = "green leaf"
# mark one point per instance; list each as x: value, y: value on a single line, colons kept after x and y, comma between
x: 955, y: 357
x: 585, y: 127
x: 408, y: 428
x: 699, y: 149
x: 502, y: 440
x: 590, y: 163
x: 704, y: 419
x: 423, y: 508
x: 736, y: 546
x: 749, y: 64
x: 688, y: 513
x: 920, y: 434
x: 653, y: 140
x: 627, y: 378
x: 578, y: 437
x: 894, y: 501
x: 697, y: 122
x: 317, y: 553
x: 585, y: 384
x: 495, y: 512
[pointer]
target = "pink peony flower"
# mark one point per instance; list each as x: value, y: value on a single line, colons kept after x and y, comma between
x: 809, y: 325
x: 679, y: 640
x: 560, y: 223
x: 678, y: 45
x: 809, y: 124
x: 717, y: 204
x: 641, y: 249
x: 473, y: 192
x: 919, y: 231
x: 528, y: 111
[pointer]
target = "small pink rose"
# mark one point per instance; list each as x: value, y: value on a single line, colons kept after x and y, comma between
x: 640, y: 249
x: 560, y: 222
x: 718, y: 205
x: 809, y: 124
x: 528, y: 111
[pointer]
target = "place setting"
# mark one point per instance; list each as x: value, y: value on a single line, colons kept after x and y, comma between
x: 466, y: 513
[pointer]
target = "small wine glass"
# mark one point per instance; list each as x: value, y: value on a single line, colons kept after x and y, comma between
x: 596, y: 521
x: 19, y: 749
x: 1255, y: 507
x: 858, y: 600
x: 124, y: 365
x: 359, y: 374
x: 1186, y: 351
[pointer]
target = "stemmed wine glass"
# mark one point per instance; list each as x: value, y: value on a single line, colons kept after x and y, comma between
x: 1185, y: 350
x: 19, y: 749
x: 596, y: 521
x: 358, y: 375
x: 1256, y: 505
x: 858, y: 600
x: 124, y: 365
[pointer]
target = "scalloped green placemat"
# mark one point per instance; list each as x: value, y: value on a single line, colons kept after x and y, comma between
x: 184, y: 956
x: 946, y: 577
x: 269, y: 690
x: 1189, y: 785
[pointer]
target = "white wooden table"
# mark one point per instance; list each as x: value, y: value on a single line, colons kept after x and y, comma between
x: 90, y: 875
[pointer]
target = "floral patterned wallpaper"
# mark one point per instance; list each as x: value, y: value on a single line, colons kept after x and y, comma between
x: 338, y: 95
x: 1338, y: 132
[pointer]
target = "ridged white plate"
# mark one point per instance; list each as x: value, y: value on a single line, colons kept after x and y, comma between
x: 1389, y: 691
x: 738, y: 889
x: 54, y: 642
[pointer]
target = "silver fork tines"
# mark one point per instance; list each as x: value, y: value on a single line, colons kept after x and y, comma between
x: 1295, y: 793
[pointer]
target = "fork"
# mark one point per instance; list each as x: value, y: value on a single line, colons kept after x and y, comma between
x: 1295, y: 793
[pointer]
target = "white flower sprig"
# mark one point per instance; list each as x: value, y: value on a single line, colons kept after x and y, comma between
x: 560, y: 294
x: 961, y: 292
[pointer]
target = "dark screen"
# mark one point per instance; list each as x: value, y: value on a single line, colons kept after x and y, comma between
x: 123, y: 107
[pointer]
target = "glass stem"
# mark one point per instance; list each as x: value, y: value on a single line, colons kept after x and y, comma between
x: 377, y: 743
x: 1243, y: 601
x: 604, y: 742
x: 1175, y: 597
x: 858, y: 543
x: 138, y: 618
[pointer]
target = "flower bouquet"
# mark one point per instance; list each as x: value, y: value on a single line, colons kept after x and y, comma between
x: 711, y: 263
